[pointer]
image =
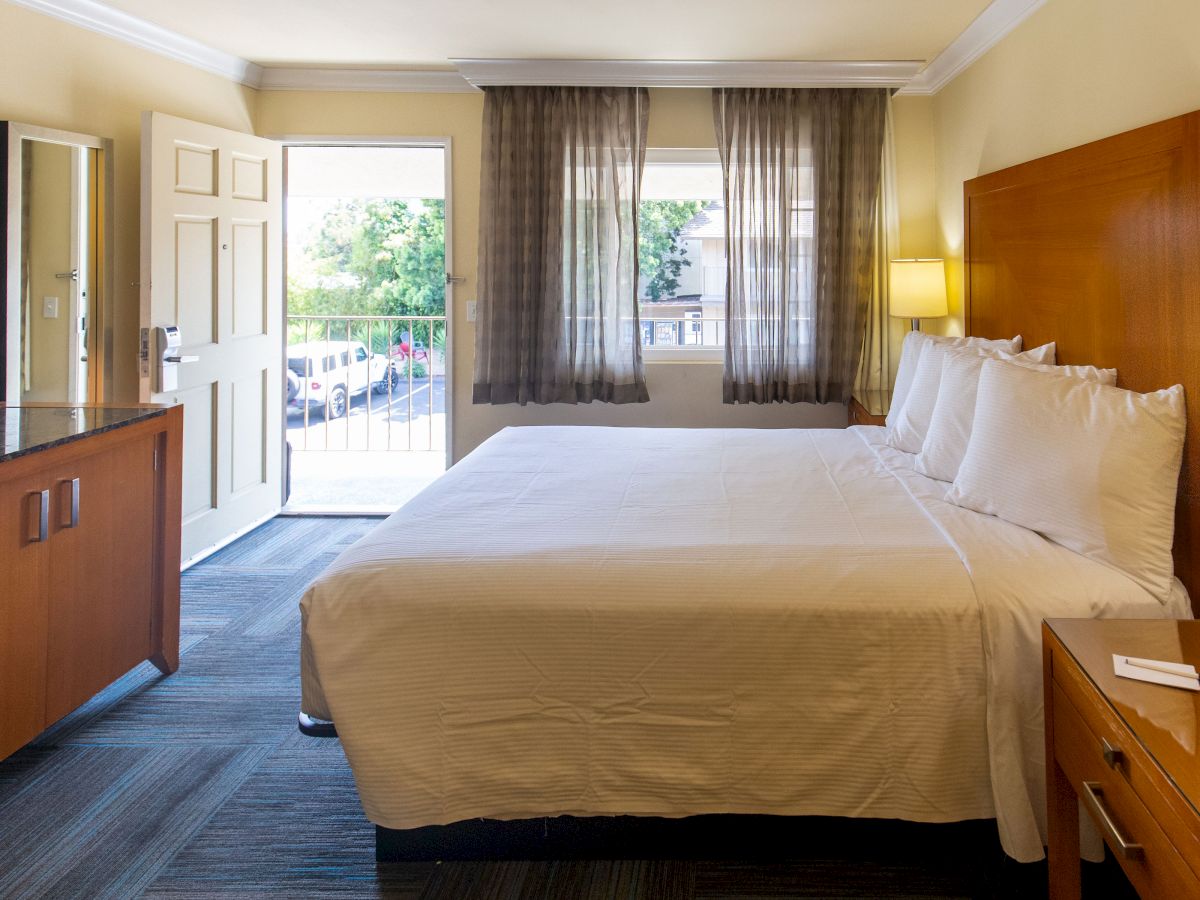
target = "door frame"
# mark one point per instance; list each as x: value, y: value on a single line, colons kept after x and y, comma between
x: 445, y: 143
x: 103, y: 218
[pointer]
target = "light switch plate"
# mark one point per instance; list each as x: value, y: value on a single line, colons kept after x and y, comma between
x: 470, y: 310
x: 49, y: 307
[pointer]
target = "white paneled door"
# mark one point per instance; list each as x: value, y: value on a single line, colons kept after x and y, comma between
x: 212, y: 257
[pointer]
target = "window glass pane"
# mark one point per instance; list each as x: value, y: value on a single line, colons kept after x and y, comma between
x: 360, y: 354
x: 681, y: 253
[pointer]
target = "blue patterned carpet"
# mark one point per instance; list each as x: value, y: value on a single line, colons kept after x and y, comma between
x: 199, y: 785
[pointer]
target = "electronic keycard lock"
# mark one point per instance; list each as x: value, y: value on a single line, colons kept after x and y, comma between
x: 167, y: 359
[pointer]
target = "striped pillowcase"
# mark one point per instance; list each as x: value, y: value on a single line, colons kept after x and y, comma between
x: 1091, y: 467
x: 949, y: 430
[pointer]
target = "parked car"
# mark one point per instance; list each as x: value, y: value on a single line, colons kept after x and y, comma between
x: 329, y: 373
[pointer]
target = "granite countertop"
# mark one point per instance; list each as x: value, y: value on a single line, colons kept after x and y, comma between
x: 28, y: 429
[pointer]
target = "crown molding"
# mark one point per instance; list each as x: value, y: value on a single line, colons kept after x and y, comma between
x: 686, y: 73
x: 989, y: 28
x: 992, y: 25
x: 427, y: 81
x: 120, y: 25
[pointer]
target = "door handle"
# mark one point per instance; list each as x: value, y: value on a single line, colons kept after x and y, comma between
x: 43, y: 518
x: 73, y: 275
x: 74, y: 508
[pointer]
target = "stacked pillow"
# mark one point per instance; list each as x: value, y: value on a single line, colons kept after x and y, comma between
x: 949, y: 428
x: 1056, y: 449
x: 913, y: 418
x: 914, y: 341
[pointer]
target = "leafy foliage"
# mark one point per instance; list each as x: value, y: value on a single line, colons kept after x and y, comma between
x: 374, y: 258
x: 660, y: 257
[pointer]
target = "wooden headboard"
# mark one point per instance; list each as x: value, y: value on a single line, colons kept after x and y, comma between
x: 1098, y: 248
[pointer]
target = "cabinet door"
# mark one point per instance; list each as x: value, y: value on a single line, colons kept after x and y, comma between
x: 23, y: 574
x: 101, y: 571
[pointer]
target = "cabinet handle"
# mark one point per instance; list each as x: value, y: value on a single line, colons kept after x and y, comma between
x: 74, y: 520
x: 43, y: 519
x: 1092, y: 796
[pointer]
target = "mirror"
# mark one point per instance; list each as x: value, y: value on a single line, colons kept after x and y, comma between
x: 57, y: 258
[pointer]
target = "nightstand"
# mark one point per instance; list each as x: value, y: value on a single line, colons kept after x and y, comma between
x: 860, y: 413
x: 1129, y: 750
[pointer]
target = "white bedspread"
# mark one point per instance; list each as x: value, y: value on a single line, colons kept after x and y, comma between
x: 671, y: 622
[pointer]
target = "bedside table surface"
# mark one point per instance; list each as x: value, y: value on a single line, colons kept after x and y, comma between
x: 1165, y: 720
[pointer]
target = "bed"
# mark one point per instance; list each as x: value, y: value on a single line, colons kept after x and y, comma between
x: 674, y: 622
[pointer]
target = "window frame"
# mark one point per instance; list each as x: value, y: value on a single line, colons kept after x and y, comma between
x: 697, y: 156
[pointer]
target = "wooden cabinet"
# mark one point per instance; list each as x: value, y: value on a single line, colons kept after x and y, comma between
x: 1126, y: 749
x: 23, y: 612
x: 89, y: 548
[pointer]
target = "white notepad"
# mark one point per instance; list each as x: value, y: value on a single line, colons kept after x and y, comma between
x: 1156, y: 671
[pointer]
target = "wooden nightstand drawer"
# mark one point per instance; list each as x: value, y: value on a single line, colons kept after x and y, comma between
x: 1136, y: 769
x: 1107, y: 791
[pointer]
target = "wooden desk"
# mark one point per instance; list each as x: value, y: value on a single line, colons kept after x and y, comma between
x: 1130, y: 750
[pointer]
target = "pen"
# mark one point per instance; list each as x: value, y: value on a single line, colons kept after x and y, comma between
x: 1164, y: 668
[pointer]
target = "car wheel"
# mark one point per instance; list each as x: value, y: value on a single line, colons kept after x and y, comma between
x: 391, y: 378
x: 337, y: 403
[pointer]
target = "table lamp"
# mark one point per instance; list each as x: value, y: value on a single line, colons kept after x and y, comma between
x: 917, y: 290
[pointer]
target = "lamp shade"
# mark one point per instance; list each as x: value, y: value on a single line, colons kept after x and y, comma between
x: 918, y: 288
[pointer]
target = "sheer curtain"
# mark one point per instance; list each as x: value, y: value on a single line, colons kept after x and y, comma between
x: 801, y: 179
x: 883, y: 334
x: 557, y: 317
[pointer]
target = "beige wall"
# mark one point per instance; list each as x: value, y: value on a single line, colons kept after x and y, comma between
x: 100, y: 86
x: 1075, y: 71
x: 912, y: 124
x: 48, y: 341
x: 59, y: 76
x: 682, y: 394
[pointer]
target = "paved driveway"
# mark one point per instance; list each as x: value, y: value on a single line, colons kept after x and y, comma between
x: 373, y: 424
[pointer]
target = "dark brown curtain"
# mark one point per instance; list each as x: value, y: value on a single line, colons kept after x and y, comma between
x: 802, y: 177
x: 557, y: 318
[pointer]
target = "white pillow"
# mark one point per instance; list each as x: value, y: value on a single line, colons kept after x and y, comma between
x: 910, y: 351
x: 1091, y: 467
x: 909, y: 430
x: 950, y: 425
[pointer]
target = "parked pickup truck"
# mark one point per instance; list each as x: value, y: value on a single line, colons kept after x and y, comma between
x: 329, y: 373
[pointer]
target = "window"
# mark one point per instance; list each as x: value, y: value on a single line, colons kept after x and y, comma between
x: 360, y: 354
x: 681, y: 256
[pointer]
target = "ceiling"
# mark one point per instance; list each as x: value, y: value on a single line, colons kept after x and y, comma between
x: 429, y: 33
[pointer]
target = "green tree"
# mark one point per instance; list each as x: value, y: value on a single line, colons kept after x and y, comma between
x: 660, y: 258
x: 374, y: 257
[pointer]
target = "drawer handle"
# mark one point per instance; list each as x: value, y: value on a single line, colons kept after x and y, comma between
x: 1112, y: 755
x: 43, y: 518
x: 74, y: 502
x: 1092, y: 796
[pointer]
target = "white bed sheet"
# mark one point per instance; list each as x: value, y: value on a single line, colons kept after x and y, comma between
x: 672, y: 622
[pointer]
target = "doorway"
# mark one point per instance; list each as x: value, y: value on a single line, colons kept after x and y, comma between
x: 57, y: 230
x: 367, y: 355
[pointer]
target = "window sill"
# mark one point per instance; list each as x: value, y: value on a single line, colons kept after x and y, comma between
x: 690, y: 355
